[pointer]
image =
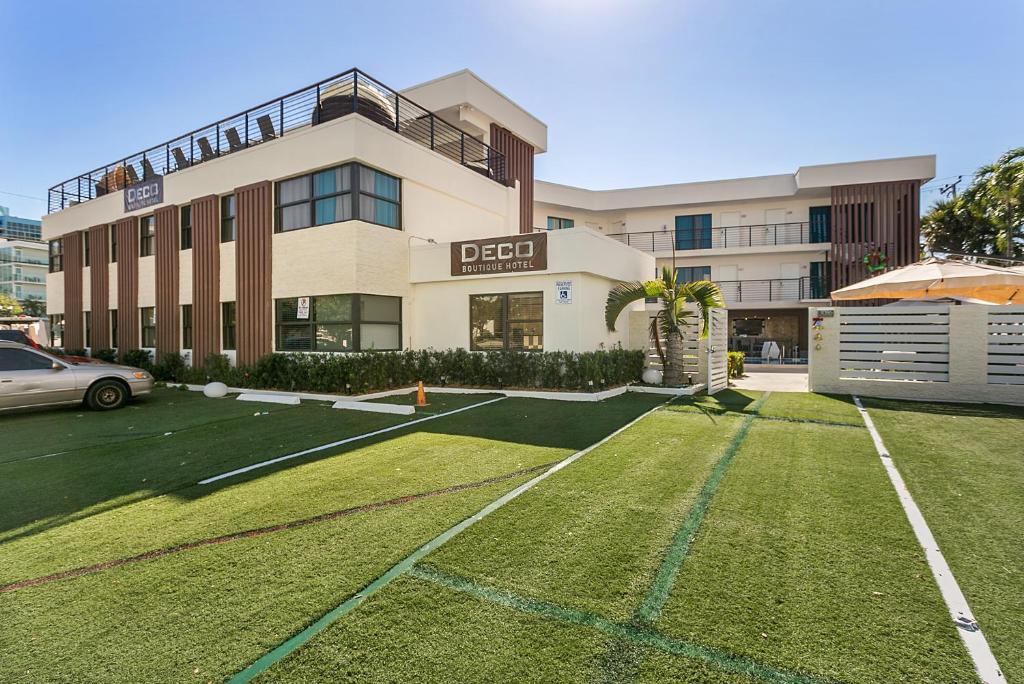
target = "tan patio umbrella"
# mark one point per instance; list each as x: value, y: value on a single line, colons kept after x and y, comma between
x: 936, y: 277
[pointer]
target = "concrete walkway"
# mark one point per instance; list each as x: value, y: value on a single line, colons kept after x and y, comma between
x: 772, y: 381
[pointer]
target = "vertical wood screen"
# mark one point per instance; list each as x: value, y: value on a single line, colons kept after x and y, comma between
x: 254, y: 309
x: 168, y: 333
x: 127, y: 285
x: 518, y: 166
x: 74, y: 336
x: 873, y: 216
x: 99, y: 285
x: 205, y: 279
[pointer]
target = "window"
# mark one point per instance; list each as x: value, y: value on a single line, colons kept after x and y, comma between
x: 340, y: 323
x: 186, y: 227
x: 148, y: 316
x: 227, y: 219
x: 343, y: 193
x: 56, y: 330
x: 555, y: 223
x: 186, y: 326
x: 113, y: 328
x: 691, y: 274
x: 22, y: 360
x: 507, y: 321
x: 113, y: 243
x: 147, y: 235
x: 85, y: 248
x: 227, y: 324
x: 693, y: 232
x: 87, y: 327
x: 56, y: 256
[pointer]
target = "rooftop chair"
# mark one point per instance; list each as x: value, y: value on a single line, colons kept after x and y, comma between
x: 147, y: 169
x: 266, y: 127
x: 204, y: 148
x: 234, y: 142
x: 179, y: 158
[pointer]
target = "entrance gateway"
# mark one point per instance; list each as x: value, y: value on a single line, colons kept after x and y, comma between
x: 717, y: 351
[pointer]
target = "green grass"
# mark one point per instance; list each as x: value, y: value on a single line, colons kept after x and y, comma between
x: 964, y: 466
x: 806, y: 561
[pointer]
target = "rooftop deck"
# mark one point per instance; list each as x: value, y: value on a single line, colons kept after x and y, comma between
x: 351, y: 92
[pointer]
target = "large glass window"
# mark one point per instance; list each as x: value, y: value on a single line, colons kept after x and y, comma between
x: 693, y: 232
x: 147, y: 235
x: 56, y: 256
x: 556, y: 223
x: 21, y: 359
x: 339, y: 323
x: 185, y: 232
x: 227, y: 218
x: 186, y: 326
x: 691, y: 274
x: 343, y: 193
x: 148, y: 316
x: 513, y: 321
x: 227, y: 324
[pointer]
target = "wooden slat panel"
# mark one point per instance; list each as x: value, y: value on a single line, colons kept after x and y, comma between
x: 879, y: 358
x: 1005, y: 348
x: 890, y: 329
x: 890, y: 365
x: 74, y: 335
x: 895, y: 337
x: 1005, y: 379
x: 891, y: 375
x: 127, y: 285
x: 892, y: 346
x: 168, y: 321
x: 911, y: 319
x: 205, y: 279
x: 253, y: 267
x: 99, y: 285
x: 1006, y: 358
x: 519, y: 167
x: 889, y: 312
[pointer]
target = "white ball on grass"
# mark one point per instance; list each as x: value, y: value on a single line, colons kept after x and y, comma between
x: 215, y: 390
x: 652, y: 376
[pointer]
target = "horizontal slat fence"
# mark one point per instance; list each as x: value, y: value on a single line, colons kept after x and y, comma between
x: 900, y: 343
x: 1006, y: 346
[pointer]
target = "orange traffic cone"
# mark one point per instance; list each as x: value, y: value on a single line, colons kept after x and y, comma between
x: 421, y: 397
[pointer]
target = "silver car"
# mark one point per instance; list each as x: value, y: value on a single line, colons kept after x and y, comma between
x: 32, y: 377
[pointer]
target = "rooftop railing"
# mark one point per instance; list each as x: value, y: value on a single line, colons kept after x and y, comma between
x: 351, y: 92
x: 769, y: 234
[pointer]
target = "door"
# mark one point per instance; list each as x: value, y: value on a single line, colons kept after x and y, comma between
x: 729, y: 233
x: 727, y: 278
x: 774, y: 232
x: 821, y: 224
x: 821, y: 280
x: 30, y: 379
x: 717, y: 346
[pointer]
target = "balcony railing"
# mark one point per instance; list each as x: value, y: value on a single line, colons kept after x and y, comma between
x: 770, y: 234
x: 775, y: 289
x: 351, y: 92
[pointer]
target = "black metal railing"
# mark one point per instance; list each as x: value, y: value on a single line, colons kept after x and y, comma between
x: 351, y: 92
x: 775, y: 289
x: 793, y: 233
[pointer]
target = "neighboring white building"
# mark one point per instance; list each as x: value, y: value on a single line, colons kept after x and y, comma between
x: 348, y: 216
x: 23, y: 267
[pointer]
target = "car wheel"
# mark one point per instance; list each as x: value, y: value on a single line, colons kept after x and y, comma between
x: 106, y: 395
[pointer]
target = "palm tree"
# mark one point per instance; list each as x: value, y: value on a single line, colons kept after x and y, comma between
x: 1000, y: 187
x: 704, y: 295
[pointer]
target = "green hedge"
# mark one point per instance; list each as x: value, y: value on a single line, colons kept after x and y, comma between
x: 736, y: 364
x: 369, y: 372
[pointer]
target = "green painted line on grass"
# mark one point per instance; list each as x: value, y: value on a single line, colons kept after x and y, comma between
x: 644, y: 636
x: 809, y: 421
x: 658, y: 593
x: 403, y: 566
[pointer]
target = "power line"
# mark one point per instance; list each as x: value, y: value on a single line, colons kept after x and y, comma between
x: 15, y: 194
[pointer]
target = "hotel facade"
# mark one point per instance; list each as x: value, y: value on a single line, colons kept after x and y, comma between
x: 347, y: 216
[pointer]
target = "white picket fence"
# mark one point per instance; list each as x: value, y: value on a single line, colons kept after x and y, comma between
x: 700, y: 363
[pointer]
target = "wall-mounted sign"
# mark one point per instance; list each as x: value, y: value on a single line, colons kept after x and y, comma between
x: 145, y: 194
x: 302, y: 311
x: 563, y: 292
x: 511, y: 254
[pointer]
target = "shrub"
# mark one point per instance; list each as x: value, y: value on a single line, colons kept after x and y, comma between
x: 736, y: 364
x: 139, y: 358
x: 74, y: 352
x: 108, y: 355
x: 170, y: 368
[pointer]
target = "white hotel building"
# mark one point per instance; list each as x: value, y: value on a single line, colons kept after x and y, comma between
x: 330, y: 220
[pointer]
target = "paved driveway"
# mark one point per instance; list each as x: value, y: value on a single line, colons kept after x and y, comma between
x: 772, y: 381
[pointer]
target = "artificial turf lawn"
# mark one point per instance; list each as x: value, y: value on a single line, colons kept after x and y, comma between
x: 964, y: 466
x: 206, y: 437
x: 806, y: 561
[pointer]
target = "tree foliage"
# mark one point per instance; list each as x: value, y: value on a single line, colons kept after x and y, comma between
x: 9, y: 306
x: 987, y: 218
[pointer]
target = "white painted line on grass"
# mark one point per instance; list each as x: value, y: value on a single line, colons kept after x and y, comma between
x: 977, y: 646
x: 347, y: 440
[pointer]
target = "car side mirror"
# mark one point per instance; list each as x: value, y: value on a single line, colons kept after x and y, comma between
x: 57, y: 366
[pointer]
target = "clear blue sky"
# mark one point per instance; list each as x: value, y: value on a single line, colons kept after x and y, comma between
x: 634, y: 92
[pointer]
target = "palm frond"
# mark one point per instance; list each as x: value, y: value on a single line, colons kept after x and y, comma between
x: 624, y: 294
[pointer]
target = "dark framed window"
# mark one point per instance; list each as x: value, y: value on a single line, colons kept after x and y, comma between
x: 147, y: 235
x: 693, y: 231
x: 343, y: 193
x: 512, y: 321
x: 113, y: 328
x: 56, y: 330
x: 56, y: 256
x: 147, y: 315
x: 113, y: 243
x: 87, y: 327
x: 227, y: 325
x: 22, y: 360
x: 185, y: 223
x: 227, y: 219
x: 556, y: 223
x: 691, y: 274
x: 85, y: 248
x: 186, y: 326
x: 339, y: 323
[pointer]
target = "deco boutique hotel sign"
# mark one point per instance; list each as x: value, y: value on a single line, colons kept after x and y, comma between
x: 510, y: 254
